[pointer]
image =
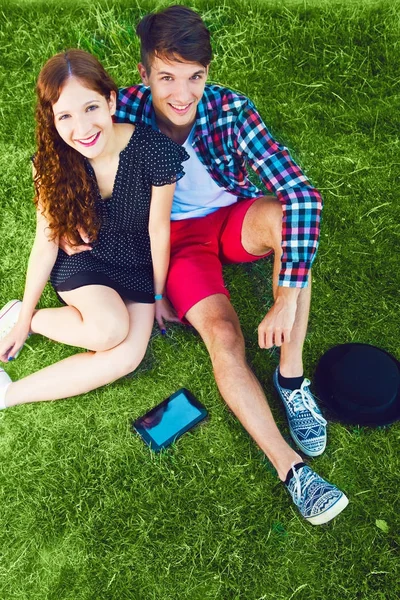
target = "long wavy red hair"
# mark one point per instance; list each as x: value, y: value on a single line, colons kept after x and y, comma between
x: 64, y: 189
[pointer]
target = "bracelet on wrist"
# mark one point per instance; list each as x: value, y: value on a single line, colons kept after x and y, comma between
x: 158, y: 296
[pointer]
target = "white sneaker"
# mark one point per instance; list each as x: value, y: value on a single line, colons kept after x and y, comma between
x: 8, y: 318
x: 4, y: 383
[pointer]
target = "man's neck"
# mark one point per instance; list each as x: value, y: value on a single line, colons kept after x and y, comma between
x: 175, y: 132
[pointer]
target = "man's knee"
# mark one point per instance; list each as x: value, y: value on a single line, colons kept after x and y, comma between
x: 262, y: 227
x: 223, y: 337
x: 270, y: 216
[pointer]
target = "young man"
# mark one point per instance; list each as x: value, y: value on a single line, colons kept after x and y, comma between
x: 220, y: 217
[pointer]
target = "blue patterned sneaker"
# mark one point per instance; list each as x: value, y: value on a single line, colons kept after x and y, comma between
x: 306, y: 423
x: 8, y: 318
x: 317, y: 500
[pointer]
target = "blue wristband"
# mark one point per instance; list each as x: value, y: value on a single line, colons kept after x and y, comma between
x: 158, y: 297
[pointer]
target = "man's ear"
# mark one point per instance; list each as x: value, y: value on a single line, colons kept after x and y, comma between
x: 143, y: 74
x: 112, y: 102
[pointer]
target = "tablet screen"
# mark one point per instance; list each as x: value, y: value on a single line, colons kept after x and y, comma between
x: 168, y: 419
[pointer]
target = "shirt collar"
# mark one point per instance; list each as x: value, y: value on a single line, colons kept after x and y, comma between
x: 202, y: 126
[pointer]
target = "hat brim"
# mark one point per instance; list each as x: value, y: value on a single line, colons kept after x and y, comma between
x: 337, y: 410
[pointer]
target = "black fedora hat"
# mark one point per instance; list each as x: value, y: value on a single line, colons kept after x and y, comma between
x: 359, y: 384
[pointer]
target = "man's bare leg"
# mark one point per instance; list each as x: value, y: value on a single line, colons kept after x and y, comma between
x: 285, y: 325
x: 217, y: 323
x: 261, y: 232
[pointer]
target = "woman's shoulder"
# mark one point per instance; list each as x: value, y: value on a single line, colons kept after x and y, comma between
x: 125, y: 133
x: 157, y: 142
x: 151, y: 134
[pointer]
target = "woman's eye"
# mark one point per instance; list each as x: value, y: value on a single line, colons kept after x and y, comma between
x: 63, y: 117
x: 92, y: 107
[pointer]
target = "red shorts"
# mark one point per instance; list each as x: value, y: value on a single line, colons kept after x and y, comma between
x: 199, y: 248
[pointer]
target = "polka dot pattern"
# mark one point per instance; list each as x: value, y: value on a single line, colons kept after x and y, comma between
x: 122, y: 249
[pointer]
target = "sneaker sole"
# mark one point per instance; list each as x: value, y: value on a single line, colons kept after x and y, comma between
x: 329, y: 514
x: 6, y: 308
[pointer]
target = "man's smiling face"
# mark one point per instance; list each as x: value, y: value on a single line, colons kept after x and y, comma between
x: 176, y: 89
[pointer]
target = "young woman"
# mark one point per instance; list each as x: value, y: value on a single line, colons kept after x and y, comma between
x: 115, y: 181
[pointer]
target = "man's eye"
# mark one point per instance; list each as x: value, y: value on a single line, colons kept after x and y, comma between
x: 196, y: 77
x: 166, y: 78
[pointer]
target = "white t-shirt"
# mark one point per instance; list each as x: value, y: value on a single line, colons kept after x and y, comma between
x: 197, y: 194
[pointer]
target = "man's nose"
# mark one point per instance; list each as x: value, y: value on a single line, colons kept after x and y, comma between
x: 182, y: 93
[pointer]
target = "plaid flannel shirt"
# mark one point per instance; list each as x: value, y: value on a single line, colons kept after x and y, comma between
x: 229, y: 133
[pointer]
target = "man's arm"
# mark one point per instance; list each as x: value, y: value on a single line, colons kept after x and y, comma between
x: 301, y: 202
x: 133, y: 104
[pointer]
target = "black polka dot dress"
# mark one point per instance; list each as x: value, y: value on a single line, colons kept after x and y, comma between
x: 121, y: 256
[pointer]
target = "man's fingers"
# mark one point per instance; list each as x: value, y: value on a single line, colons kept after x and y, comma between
x: 71, y: 250
x: 278, y: 337
x: 265, y: 338
x: 261, y: 338
x: 286, y: 335
x: 269, y: 338
x: 84, y: 235
x: 273, y: 337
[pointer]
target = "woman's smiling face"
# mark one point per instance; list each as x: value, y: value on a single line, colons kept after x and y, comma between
x: 83, y: 118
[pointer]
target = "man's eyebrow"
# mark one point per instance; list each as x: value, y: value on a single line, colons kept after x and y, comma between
x: 60, y: 112
x: 199, y: 72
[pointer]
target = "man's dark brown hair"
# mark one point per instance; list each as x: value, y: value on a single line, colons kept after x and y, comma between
x: 175, y: 33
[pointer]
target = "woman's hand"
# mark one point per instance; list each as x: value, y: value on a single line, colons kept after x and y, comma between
x: 165, y: 312
x: 14, y: 341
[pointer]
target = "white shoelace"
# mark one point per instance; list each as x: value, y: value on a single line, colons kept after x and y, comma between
x: 307, y: 401
x: 297, y: 489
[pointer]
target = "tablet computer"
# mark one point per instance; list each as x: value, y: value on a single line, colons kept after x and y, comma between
x: 167, y: 421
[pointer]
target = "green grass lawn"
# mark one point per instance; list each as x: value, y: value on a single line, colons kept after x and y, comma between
x: 86, y: 510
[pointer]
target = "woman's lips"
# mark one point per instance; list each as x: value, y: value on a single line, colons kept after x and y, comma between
x: 90, y: 141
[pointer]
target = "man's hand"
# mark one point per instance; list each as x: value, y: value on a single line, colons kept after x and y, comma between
x: 277, y: 325
x: 70, y: 250
x: 165, y: 312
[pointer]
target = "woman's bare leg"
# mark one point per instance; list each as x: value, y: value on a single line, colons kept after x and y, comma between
x: 95, y: 318
x: 84, y: 372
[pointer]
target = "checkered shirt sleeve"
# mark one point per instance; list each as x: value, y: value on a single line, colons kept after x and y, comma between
x: 301, y: 202
x: 133, y: 105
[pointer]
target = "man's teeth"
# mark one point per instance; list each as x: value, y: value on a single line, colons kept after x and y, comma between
x: 180, y: 107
